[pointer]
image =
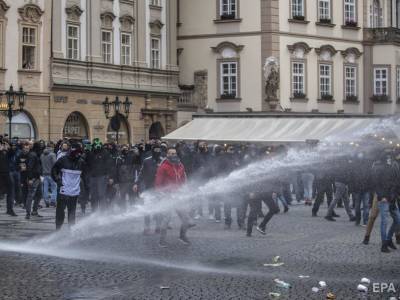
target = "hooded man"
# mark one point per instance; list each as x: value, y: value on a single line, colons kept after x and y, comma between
x: 171, y: 176
x: 33, y: 168
x: 48, y: 159
x: 145, y: 181
x: 5, y: 185
x: 101, y: 173
x: 67, y: 172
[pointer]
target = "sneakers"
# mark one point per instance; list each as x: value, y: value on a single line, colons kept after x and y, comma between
x: 36, y: 214
x: 286, y: 209
x: 330, y: 218
x: 28, y: 216
x: 248, y: 234
x: 162, y: 244
x: 384, y: 248
x: 366, y: 240
x: 211, y: 217
x: 314, y: 214
x: 260, y: 230
x: 217, y: 221
x: 391, y: 245
x: 184, y: 240
x: 352, y: 219
x: 197, y: 217
x: 335, y: 215
x: 11, y: 213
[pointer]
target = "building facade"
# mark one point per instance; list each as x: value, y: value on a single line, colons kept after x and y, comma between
x: 334, y: 56
x: 24, y: 59
x: 85, y: 51
x: 109, y: 48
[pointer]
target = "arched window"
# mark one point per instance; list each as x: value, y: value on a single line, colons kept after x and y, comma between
x: 156, y: 131
x: 76, y: 127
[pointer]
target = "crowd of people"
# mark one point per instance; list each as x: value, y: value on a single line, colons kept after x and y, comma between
x: 110, y: 176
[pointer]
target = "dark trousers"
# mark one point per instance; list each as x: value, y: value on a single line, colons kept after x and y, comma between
x: 33, y: 196
x: 125, y: 191
x: 62, y: 203
x: 321, y: 191
x: 6, y: 188
x: 228, y: 212
x: 15, y: 184
x: 253, y: 214
x: 273, y: 209
x: 98, y: 188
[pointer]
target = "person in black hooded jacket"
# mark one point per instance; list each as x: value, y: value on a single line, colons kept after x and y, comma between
x: 5, y: 177
x: 101, y: 170
x: 145, y: 181
x: 34, y: 170
x: 67, y: 173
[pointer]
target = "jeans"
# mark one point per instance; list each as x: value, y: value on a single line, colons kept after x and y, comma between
x: 33, y: 191
x: 386, y: 209
x: 62, y: 203
x: 214, y: 208
x: 361, y: 197
x: 308, y: 180
x: 165, y: 218
x: 48, y: 182
x: 342, y: 192
x: 322, y: 189
x: 372, y: 216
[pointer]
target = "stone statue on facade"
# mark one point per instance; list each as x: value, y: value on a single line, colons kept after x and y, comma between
x: 271, y: 74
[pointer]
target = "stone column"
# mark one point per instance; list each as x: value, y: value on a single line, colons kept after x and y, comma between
x: 141, y: 26
x: 94, y: 25
x: 58, y: 11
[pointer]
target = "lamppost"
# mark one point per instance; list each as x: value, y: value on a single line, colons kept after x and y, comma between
x: 116, y: 106
x: 14, y: 98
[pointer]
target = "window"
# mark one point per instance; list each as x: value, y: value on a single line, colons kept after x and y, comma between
x: 297, y: 8
x: 72, y: 42
x: 325, y: 80
x: 350, y: 81
x: 375, y: 15
x: 155, y: 53
x: 298, y: 86
x: 324, y: 9
x: 381, y: 81
x: 228, y: 9
x: 106, y: 46
x: 28, y: 48
x: 350, y: 12
x: 156, y: 2
x: 126, y: 39
x: 229, y: 80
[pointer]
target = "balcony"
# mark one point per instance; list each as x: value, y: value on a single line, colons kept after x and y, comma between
x: 186, y: 99
x: 385, y: 35
x: 88, y: 75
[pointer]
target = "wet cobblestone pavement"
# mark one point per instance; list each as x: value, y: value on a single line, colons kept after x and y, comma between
x: 220, y: 264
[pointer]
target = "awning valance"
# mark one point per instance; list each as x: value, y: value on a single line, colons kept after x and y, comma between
x: 272, y: 129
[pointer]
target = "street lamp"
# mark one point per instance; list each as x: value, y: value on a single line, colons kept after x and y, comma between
x: 116, y: 106
x: 13, y: 98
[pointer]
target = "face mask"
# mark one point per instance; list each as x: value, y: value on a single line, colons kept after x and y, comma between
x: 174, y: 159
x: 125, y: 151
x: 75, y: 153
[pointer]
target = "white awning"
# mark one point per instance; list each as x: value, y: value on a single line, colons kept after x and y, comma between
x: 272, y: 129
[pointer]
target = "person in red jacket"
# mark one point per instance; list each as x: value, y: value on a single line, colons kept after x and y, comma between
x: 170, y: 177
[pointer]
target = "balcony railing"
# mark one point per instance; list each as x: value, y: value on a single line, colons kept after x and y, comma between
x: 186, y: 98
x: 382, y: 35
